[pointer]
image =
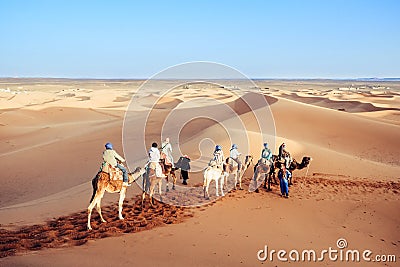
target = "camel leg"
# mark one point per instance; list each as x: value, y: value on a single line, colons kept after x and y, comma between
x: 225, y: 180
x: 269, y: 183
x: 173, y: 180
x: 98, y: 206
x: 240, y: 180
x: 255, y: 178
x: 221, y: 180
x: 204, y: 187
x: 159, y: 189
x: 121, y: 202
x: 152, y: 186
x: 207, y: 184
x: 90, y: 208
x: 167, y: 181
x: 216, y: 187
x: 167, y: 189
x: 274, y: 176
x: 143, y: 198
x: 235, y: 179
x: 290, y: 181
x: 266, y: 178
x: 95, y: 202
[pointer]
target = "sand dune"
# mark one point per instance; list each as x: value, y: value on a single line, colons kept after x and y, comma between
x: 342, y: 105
x: 53, y: 135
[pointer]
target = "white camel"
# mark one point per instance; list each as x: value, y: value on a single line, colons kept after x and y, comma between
x: 213, y: 173
x: 102, y: 183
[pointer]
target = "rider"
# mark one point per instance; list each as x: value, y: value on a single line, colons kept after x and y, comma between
x: 234, y: 154
x: 282, y: 151
x: 110, y: 156
x: 166, y: 149
x: 284, y: 155
x: 266, y: 153
x: 154, y: 160
x: 219, y: 156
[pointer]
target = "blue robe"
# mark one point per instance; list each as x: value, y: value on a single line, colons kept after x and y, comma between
x: 283, y: 181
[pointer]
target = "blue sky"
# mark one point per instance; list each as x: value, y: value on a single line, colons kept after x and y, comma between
x: 263, y: 39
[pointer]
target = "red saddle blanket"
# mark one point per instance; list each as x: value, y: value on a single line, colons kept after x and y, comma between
x: 114, y: 172
x: 167, y: 159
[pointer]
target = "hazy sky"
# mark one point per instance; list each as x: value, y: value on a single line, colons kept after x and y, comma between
x: 263, y: 39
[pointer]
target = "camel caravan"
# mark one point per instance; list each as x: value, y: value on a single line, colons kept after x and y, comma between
x: 113, y: 176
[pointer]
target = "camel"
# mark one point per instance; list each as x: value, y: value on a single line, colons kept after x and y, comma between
x: 231, y: 167
x: 169, y: 170
x: 150, y: 181
x: 102, y: 183
x: 213, y: 173
x: 270, y: 172
x: 262, y: 168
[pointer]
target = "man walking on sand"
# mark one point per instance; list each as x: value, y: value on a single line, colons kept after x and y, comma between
x: 283, y: 176
x: 184, y: 164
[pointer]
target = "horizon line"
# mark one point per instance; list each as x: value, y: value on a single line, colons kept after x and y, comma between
x: 194, y: 79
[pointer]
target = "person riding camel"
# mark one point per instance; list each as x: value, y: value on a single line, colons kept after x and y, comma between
x: 154, y: 160
x: 166, y: 150
x: 266, y: 153
x: 110, y: 156
x: 219, y: 156
x: 235, y: 155
x: 284, y: 155
x: 282, y: 151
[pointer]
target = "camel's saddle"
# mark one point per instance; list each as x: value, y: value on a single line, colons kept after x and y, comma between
x: 114, y: 172
x: 167, y: 160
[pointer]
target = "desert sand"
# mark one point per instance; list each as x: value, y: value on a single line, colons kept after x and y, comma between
x: 52, y: 136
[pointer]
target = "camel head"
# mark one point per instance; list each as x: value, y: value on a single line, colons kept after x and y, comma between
x: 248, y: 160
x: 212, y: 163
x: 133, y: 176
x: 305, y: 161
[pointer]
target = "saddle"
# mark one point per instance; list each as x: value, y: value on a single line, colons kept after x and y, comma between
x: 114, y: 172
x: 167, y: 160
x: 262, y: 161
x: 231, y: 162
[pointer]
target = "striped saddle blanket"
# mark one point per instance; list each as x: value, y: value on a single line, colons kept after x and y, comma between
x: 114, y: 172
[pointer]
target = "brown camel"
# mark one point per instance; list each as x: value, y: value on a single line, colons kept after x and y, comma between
x: 102, y: 183
x: 231, y: 167
x: 169, y: 170
x: 270, y: 173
